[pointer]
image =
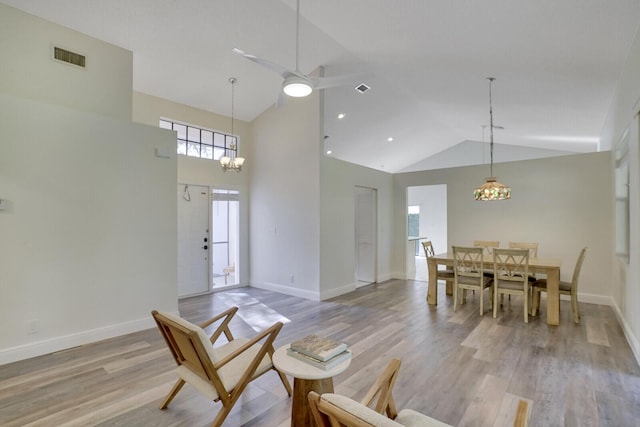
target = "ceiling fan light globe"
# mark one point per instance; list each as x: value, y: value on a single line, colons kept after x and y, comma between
x: 297, y: 87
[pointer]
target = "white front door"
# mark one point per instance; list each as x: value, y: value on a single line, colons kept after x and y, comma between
x: 193, y: 240
x: 365, y: 235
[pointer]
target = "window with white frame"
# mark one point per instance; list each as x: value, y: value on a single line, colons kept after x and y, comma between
x: 196, y: 142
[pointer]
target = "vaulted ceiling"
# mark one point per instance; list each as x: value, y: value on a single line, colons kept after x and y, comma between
x: 556, y: 64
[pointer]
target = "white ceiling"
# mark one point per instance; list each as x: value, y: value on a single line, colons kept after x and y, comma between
x: 556, y: 62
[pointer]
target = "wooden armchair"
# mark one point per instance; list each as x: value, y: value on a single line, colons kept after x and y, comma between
x: 334, y: 410
x: 221, y: 373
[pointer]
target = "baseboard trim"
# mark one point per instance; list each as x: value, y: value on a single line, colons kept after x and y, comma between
x: 50, y: 345
x: 628, y: 332
x: 287, y: 290
x: 334, y: 292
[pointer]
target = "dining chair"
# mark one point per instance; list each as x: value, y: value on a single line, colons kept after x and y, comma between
x: 566, y: 288
x: 220, y: 373
x: 446, y: 275
x: 487, y: 245
x: 335, y: 410
x: 468, y: 267
x: 510, y: 271
x: 532, y: 247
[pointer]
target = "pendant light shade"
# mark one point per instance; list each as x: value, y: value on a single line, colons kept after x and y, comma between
x: 492, y: 189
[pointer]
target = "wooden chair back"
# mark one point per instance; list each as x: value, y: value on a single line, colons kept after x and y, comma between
x: 531, y: 246
x: 188, y: 346
x: 468, y: 263
x: 511, y: 265
x: 487, y: 245
x: 327, y: 414
x: 577, y: 269
x: 428, y: 248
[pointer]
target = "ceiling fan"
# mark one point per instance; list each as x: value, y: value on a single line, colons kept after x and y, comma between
x: 295, y: 83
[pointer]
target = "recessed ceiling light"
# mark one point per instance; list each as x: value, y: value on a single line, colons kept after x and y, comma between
x: 341, y: 116
x: 390, y: 139
x: 329, y: 152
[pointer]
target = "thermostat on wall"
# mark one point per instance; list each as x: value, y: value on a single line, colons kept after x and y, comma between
x: 3, y: 204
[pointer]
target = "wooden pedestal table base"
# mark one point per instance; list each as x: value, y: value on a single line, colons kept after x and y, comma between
x: 305, y: 379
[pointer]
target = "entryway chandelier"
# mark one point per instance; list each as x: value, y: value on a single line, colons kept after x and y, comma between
x: 231, y: 162
x: 491, y: 189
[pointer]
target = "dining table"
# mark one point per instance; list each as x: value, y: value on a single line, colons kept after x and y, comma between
x: 548, y: 266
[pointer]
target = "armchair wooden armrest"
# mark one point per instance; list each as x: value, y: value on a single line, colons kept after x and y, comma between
x: 223, y: 327
x: 272, y: 332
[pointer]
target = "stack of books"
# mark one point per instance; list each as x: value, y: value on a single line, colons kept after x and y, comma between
x: 321, y: 352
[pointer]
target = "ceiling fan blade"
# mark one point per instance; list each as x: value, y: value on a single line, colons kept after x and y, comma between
x: 333, y: 81
x: 282, y: 99
x: 284, y: 72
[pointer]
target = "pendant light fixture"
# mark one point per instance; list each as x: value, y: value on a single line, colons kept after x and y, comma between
x: 492, y: 189
x: 230, y: 161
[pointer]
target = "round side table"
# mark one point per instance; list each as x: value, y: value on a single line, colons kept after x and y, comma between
x: 306, y: 378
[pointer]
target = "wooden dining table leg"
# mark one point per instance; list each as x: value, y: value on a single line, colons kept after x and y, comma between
x: 432, y: 289
x: 553, y: 296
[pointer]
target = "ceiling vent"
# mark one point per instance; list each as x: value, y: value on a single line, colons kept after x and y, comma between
x: 362, y: 88
x: 69, y: 57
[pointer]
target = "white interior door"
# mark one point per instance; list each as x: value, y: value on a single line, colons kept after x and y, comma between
x: 365, y: 235
x: 193, y: 240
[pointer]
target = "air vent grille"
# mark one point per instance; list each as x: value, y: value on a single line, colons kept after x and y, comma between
x: 362, y: 88
x: 69, y: 57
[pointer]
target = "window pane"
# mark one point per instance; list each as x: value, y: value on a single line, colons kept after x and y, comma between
x: 193, y: 134
x: 165, y: 124
x: 207, y: 151
x: 207, y: 137
x: 193, y: 149
x: 217, y: 153
x: 182, y: 147
x: 218, y: 139
x: 181, y: 129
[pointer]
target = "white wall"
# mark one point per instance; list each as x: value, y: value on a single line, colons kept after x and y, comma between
x: 622, y: 117
x: 29, y: 71
x: 552, y: 203
x: 285, y: 198
x: 88, y: 243
x: 337, y: 224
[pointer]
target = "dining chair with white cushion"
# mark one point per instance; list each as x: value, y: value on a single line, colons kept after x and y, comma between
x: 510, y: 271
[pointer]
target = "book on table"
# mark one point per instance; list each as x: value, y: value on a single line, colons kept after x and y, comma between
x: 318, y: 347
x: 326, y: 365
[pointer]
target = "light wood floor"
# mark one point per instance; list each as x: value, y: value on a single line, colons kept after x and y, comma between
x: 458, y: 367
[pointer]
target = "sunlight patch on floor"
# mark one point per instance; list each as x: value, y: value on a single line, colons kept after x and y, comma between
x: 256, y: 314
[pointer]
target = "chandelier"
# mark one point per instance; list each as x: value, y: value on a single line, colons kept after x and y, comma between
x: 491, y: 189
x: 230, y: 161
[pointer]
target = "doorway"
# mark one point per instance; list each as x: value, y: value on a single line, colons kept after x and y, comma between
x: 428, y: 205
x: 193, y: 240
x: 225, y: 213
x: 365, y: 239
